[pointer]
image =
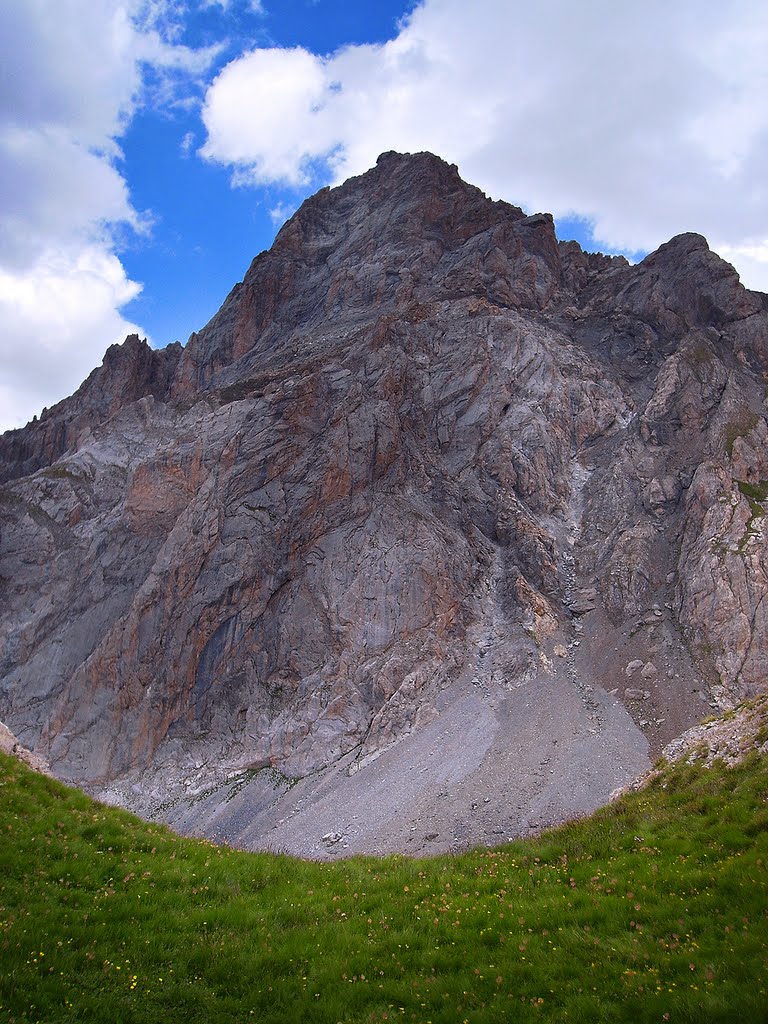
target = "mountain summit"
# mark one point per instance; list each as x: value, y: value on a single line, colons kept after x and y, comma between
x: 436, y: 533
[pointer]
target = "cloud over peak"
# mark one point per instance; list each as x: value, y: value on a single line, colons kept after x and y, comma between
x: 643, y: 120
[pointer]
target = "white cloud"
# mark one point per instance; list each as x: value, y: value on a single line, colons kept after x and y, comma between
x: 62, y: 191
x: 187, y: 143
x: 750, y: 260
x: 254, y: 6
x: 645, y: 120
x: 63, y: 312
x: 283, y: 90
x: 71, y: 78
x: 279, y: 214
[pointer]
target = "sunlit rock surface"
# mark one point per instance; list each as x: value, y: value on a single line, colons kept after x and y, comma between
x: 397, y: 523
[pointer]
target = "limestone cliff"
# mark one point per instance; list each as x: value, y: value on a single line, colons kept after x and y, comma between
x: 427, y: 468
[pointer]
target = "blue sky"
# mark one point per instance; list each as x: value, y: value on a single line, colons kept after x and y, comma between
x: 150, y: 148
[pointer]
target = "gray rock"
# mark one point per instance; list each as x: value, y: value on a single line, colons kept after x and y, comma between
x: 417, y: 422
x: 584, y: 601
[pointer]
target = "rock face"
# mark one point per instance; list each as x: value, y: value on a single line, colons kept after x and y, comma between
x: 10, y: 745
x: 425, y: 459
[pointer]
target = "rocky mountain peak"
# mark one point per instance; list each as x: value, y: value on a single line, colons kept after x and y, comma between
x: 441, y: 526
x: 405, y: 200
x: 406, y: 232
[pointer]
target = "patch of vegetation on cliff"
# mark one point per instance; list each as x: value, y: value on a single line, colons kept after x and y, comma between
x: 740, y: 426
x: 653, y: 909
x: 61, y: 472
x: 701, y: 359
x: 755, y: 495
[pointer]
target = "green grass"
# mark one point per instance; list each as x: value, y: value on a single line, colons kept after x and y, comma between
x: 654, y: 909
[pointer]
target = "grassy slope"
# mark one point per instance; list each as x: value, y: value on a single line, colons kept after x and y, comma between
x: 654, y: 909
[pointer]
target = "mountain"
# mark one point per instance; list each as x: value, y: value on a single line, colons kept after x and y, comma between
x: 435, y: 534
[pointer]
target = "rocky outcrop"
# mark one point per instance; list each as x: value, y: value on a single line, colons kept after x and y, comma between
x: 130, y: 371
x: 11, y: 746
x: 728, y: 739
x: 423, y: 447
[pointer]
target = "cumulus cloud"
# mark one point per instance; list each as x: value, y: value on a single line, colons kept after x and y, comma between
x: 59, y: 313
x: 644, y: 120
x: 72, y: 75
x: 283, y: 129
